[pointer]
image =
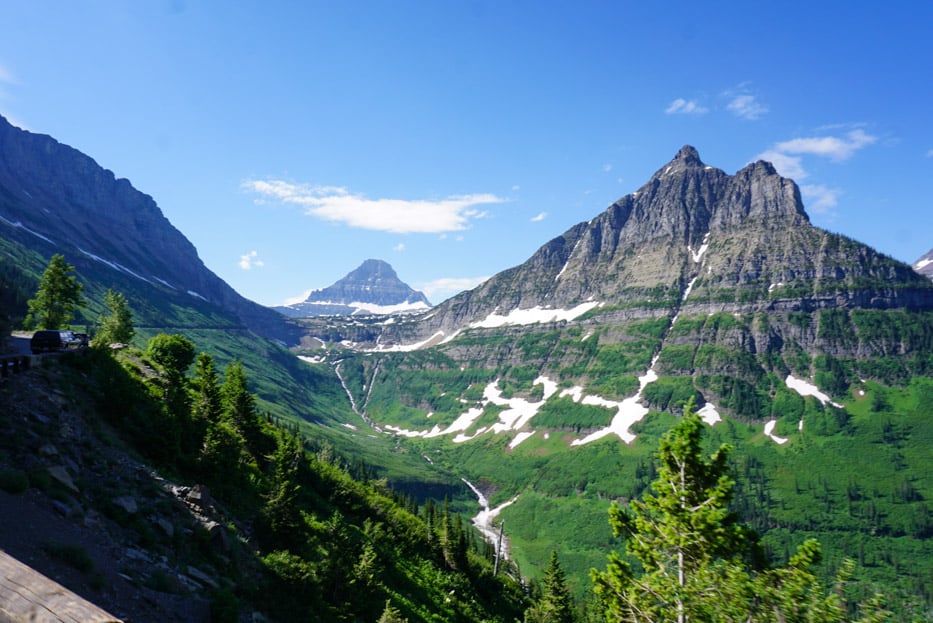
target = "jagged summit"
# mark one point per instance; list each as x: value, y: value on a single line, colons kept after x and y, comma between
x: 744, y: 240
x: 372, y: 288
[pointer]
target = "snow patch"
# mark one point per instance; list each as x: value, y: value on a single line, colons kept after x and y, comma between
x: 922, y: 263
x: 114, y: 265
x: 485, y: 518
x: 698, y: 255
x: 709, y: 414
x: 804, y: 388
x: 569, y: 257
x: 19, y: 225
x: 316, y: 359
x: 769, y: 432
x: 533, y: 315
x: 520, y: 438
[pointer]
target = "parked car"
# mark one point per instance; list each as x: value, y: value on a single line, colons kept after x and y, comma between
x: 48, y: 341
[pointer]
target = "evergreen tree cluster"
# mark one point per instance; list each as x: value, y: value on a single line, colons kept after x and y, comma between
x: 329, y: 545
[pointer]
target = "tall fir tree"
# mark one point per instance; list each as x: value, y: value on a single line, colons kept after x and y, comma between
x: 697, y: 559
x: 57, y: 298
x: 116, y: 326
x: 556, y: 602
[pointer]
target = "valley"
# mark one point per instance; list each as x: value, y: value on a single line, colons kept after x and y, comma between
x: 539, y: 397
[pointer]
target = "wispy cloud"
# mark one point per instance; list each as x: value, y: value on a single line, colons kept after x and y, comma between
x: 930, y: 153
x: 607, y: 168
x: 681, y: 106
x: 442, y: 289
x: 539, y: 217
x: 788, y: 166
x: 833, y: 147
x: 746, y: 107
x: 787, y: 156
x: 399, y: 247
x: 820, y: 199
x: 251, y: 260
x: 400, y: 216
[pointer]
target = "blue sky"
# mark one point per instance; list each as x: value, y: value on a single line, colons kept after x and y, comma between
x: 290, y: 141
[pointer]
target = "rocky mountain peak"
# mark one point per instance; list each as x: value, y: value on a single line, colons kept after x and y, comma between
x: 373, y: 287
x: 687, y: 159
x: 740, y: 240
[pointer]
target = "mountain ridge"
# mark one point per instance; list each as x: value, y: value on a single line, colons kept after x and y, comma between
x: 58, y: 200
x: 742, y: 237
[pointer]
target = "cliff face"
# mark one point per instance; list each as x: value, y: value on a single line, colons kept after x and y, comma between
x: 744, y: 241
x: 58, y: 200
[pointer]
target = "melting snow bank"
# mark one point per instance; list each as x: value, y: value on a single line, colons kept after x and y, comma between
x: 517, y: 414
x: 808, y: 389
x: 485, y: 519
x: 533, y: 315
x: 709, y: 414
x: 628, y: 411
x: 769, y: 432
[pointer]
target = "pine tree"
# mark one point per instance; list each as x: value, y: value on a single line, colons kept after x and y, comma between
x: 57, y: 297
x: 207, y: 405
x: 697, y: 560
x: 556, y: 602
x: 116, y: 327
x: 240, y: 408
x: 391, y: 615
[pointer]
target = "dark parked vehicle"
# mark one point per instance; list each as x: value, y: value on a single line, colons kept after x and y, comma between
x: 46, y: 341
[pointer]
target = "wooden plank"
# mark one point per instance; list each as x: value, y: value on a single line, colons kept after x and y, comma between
x: 27, y: 595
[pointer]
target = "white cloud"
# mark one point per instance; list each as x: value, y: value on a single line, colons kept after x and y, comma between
x: 833, y: 147
x: 400, y: 216
x: 251, y: 260
x: 399, y: 247
x: 441, y: 289
x: 787, y: 156
x: 787, y: 166
x: 746, y: 107
x: 539, y: 217
x: 516, y: 187
x: 680, y: 106
x: 820, y: 199
x: 607, y: 168
x: 930, y: 154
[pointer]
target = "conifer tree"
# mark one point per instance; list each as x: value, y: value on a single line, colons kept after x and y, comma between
x: 696, y: 558
x: 240, y: 407
x: 115, y: 327
x: 556, y: 602
x: 57, y: 297
x: 207, y: 405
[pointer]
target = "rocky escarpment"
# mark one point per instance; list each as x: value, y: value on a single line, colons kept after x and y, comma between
x: 58, y: 200
x: 743, y: 241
